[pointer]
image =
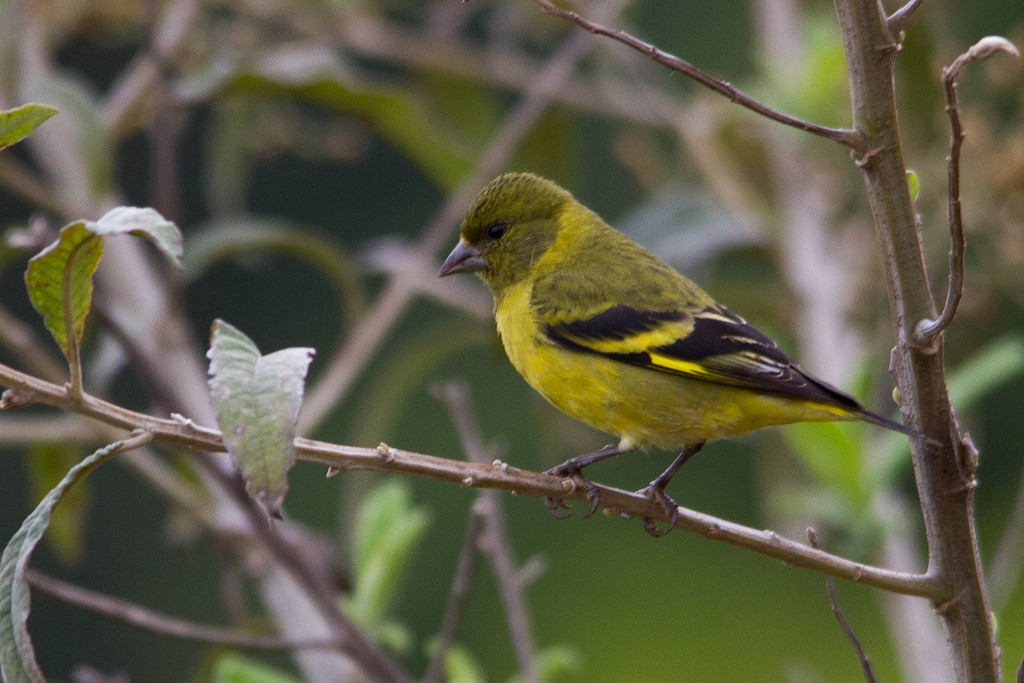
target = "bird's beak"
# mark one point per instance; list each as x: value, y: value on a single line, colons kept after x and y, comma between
x: 463, y: 259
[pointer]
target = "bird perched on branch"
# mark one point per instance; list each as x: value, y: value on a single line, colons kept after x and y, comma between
x: 614, y: 337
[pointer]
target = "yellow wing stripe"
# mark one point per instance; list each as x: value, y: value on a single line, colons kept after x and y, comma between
x: 638, y: 342
x: 683, y: 367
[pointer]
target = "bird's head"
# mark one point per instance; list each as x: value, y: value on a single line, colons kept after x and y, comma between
x: 511, y: 224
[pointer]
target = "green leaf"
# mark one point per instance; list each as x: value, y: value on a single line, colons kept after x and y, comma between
x: 555, y: 662
x: 18, y: 123
x: 60, y: 277
x: 387, y: 529
x: 832, y: 451
x: 142, y: 222
x: 47, y: 465
x: 914, y: 184
x: 17, y: 656
x: 461, y: 667
x: 236, y: 668
x: 59, y: 281
x: 257, y: 400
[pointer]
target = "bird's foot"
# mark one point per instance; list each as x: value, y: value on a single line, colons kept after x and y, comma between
x: 571, y: 473
x: 656, y: 492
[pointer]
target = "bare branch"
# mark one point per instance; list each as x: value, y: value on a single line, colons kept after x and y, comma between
x: 942, y: 470
x: 24, y: 389
x: 456, y: 600
x: 148, y: 619
x: 833, y: 601
x: 928, y: 330
x: 187, y: 433
x: 899, y: 19
x: 843, y: 136
x: 494, y: 542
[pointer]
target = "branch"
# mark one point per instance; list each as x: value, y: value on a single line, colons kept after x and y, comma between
x: 899, y: 19
x: 837, y: 610
x: 148, y: 619
x: 943, y: 471
x: 456, y: 600
x: 24, y: 389
x: 183, y: 432
x: 928, y: 330
x: 843, y: 136
x: 494, y: 541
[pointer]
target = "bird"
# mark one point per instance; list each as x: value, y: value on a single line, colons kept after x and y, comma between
x: 616, y: 338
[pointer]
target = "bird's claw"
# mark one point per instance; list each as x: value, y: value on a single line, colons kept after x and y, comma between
x: 554, y: 505
x: 658, y: 495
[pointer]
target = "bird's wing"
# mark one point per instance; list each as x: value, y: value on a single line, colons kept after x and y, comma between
x: 711, y: 344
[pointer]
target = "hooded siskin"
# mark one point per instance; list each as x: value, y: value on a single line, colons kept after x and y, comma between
x: 615, y: 337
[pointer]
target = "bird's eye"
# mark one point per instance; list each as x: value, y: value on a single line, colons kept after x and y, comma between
x: 496, y: 230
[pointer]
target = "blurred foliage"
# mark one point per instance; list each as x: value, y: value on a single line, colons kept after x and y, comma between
x: 235, y: 668
x: 387, y: 530
x: 293, y: 141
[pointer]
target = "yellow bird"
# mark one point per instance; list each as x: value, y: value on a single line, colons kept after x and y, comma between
x: 614, y: 337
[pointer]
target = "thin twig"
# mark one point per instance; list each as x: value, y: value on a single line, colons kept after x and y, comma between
x: 494, y: 542
x: 461, y: 583
x: 843, y: 136
x: 149, y: 619
x: 833, y: 601
x: 372, y: 36
x: 899, y: 19
x: 928, y: 330
x: 24, y: 389
x: 364, y: 651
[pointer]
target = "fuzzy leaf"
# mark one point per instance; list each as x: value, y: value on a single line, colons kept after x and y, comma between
x: 18, y: 123
x: 59, y: 281
x: 17, y: 656
x: 257, y: 400
x: 60, y: 277
x: 142, y: 222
